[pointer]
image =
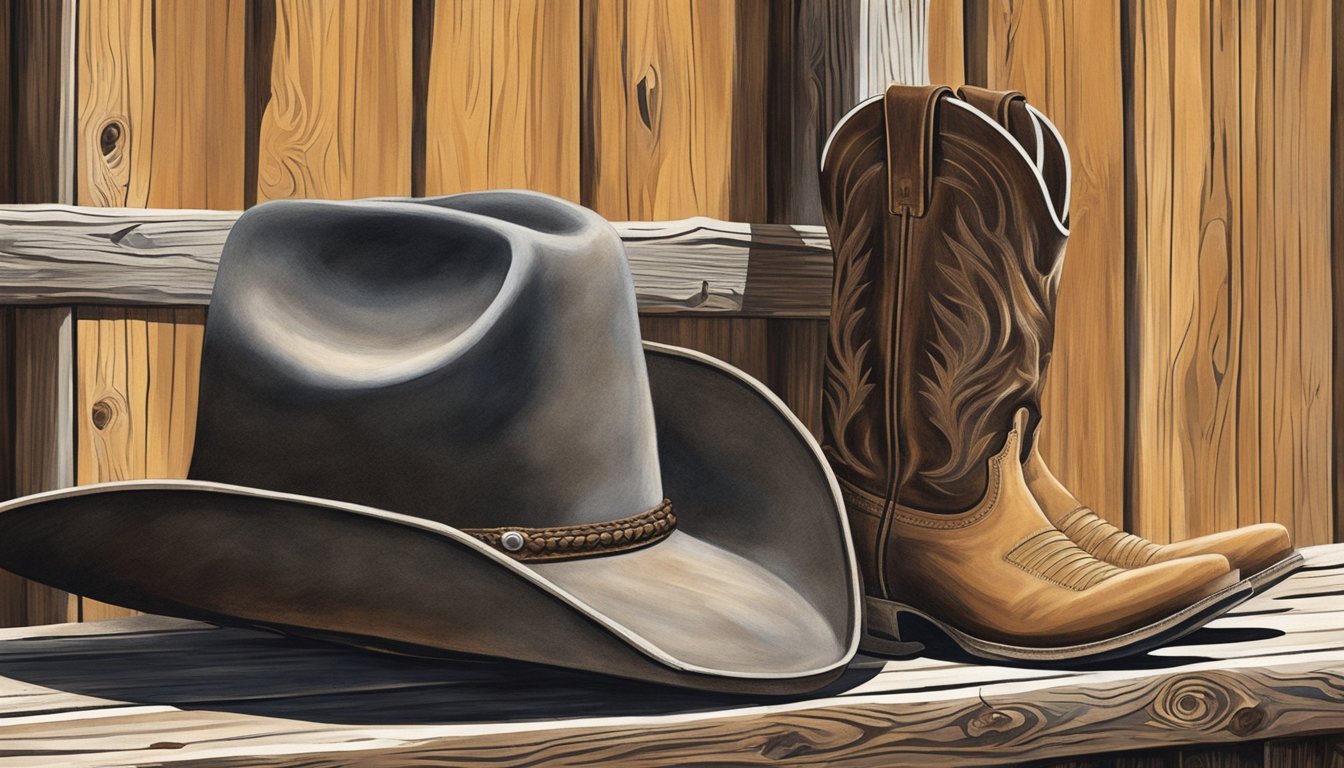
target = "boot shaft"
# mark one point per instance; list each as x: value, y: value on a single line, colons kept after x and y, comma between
x: 947, y: 253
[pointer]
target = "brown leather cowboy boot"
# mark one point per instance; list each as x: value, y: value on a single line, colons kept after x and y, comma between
x: 947, y: 251
x: 1263, y: 553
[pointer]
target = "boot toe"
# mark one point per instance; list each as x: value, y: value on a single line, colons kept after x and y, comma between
x: 1139, y: 597
x: 1250, y: 549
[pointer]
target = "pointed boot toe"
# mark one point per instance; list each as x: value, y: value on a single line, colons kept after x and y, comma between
x: 1263, y: 553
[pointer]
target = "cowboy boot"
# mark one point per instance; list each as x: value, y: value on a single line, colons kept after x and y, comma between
x: 1263, y: 553
x: 947, y: 251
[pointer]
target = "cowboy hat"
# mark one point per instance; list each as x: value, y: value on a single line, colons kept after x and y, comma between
x: 431, y: 426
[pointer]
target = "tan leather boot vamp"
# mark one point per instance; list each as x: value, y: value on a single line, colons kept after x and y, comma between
x: 1001, y: 571
x: 1256, y: 550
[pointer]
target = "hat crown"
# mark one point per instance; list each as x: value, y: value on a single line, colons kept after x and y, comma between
x: 472, y: 359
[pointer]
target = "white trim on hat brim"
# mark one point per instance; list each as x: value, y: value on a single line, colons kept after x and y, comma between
x: 536, y: 574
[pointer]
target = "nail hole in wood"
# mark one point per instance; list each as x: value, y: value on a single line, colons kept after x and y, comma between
x: 102, y: 414
x: 108, y: 138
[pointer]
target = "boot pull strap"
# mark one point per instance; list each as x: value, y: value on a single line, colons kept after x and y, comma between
x: 910, y: 112
x: 1009, y: 110
x: 995, y: 104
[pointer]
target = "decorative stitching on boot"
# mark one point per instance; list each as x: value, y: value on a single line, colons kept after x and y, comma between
x: 869, y: 503
x: 1052, y: 556
x: 586, y: 540
x: 1106, y: 542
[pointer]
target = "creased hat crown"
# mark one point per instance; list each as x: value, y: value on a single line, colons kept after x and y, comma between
x: 472, y: 359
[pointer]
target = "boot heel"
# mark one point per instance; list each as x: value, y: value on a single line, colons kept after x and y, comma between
x: 882, y: 632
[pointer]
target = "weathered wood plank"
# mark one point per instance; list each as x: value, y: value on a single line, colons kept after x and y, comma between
x: 1232, y: 267
x: 1037, y: 48
x: 144, y: 257
x: 503, y: 97
x: 161, y: 94
x: 947, y: 42
x: 813, y: 84
x: 828, y: 55
x: 1286, y: 85
x: 41, y: 46
x: 149, y: 689
x: 1337, y: 264
x: 338, y: 123
x: 674, y: 103
x: 137, y: 375
x: 44, y: 440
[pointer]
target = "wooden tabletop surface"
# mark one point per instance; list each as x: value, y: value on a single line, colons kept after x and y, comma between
x: 152, y: 690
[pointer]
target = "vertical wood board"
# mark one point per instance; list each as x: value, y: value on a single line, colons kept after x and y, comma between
x: 138, y: 375
x: 502, y: 105
x: 338, y: 121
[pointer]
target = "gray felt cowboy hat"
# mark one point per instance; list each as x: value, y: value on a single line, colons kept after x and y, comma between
x: 432, y: 425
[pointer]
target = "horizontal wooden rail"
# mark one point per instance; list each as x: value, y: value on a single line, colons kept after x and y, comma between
x: 59, y: 254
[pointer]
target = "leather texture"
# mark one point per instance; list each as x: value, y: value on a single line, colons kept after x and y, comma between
x: 1003, y: 572
x: 1250, y: 549
x: 941, y: 320
x: 940, y: 325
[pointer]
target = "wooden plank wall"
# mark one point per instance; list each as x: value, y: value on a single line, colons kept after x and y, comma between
x: 1192, y: 385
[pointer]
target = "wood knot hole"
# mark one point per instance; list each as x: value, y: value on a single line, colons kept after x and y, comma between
x: 787, y: 745
x: 1247, y: 721
x: 102, y: 413
x: 644, y: 96
x: 994, y: 721
x: 109, y: 136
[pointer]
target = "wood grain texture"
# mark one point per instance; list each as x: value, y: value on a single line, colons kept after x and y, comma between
x: 154, y: 690
x: 7, y: 98
x: 147, y: 257
x: 947, y: 42
x: 43, y: 399
x: 673, y: 100
x: 13, y: 589
x: 39, y: 88
x: 137, y: 379
x: 1337, y: 271
x: 813, y: 76
x: 161, y: 103
x: 1231, y: 411
x: 503, y: 96
x: 738, y: 341
x: 338, y: 122
x: 893, y: 45
x: 1067, y: 60
x: 797, y: 351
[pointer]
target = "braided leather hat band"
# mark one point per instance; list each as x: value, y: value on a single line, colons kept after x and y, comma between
x: 587, y: 540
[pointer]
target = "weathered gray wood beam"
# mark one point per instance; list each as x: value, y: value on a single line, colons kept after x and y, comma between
x: 55, y: 254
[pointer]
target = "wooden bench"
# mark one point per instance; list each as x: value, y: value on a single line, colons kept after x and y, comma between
x: 152, y: 690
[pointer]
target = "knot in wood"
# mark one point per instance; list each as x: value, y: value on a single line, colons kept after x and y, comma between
x: 103, y: 411
x: 109, y: 136
x: 1195, y: 702
x: 1247, y: 721
x: 787, y: 745
x: 993, y: 720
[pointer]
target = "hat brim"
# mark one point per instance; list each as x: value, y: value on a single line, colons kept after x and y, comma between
x: 756, y: 590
